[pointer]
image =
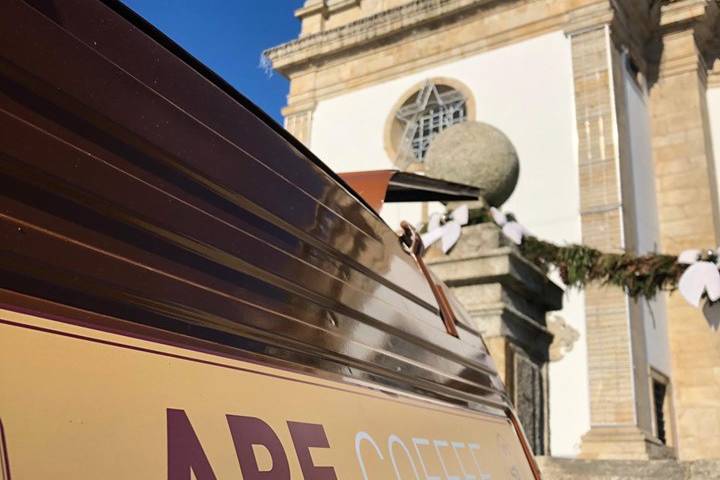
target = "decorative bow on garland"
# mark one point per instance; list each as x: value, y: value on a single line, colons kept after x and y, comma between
x: 512, y: 229
x: 446, y: 227
x: 694, y: 273
x: 701, y: 279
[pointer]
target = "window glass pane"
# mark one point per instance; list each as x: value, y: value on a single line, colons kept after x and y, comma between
x: 429, y: 113
x: 659, y: 391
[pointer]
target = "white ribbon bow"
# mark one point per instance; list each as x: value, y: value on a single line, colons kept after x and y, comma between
x: 513, y: 230
x: 448, y: 232
x: 698, y: 278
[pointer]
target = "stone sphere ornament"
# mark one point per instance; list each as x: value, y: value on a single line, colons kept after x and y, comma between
x: 477, y: 154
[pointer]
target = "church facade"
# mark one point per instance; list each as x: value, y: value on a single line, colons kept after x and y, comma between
x: 613, y: 107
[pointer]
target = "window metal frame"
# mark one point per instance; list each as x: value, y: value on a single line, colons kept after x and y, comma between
x: 430, y: 113
x: 667, y: 413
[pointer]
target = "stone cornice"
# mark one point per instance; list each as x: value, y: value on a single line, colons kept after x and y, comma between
x: 301, y: 100
x: 313, y: 58
x: 311, y: 9
x: 340, y: 5
x: 286, y: 57
x: 699, y: 18
x: 633, y: 21
x: 678, y: 13
x: 588, y: 17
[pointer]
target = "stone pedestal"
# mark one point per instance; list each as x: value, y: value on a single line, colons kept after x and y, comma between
x: 622, y: 442
x: 507, y: 298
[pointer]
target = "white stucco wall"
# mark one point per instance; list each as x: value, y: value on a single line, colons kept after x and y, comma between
x: 713, y: 103
x: 526, y: 91
x: 653, y: 311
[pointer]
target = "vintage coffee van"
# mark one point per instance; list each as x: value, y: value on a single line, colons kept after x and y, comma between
x: 187, y: 292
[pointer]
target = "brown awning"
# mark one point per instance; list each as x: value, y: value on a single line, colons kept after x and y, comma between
x: 379, y: 186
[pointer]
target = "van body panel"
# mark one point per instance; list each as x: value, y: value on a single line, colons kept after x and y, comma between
x: 147, y: 207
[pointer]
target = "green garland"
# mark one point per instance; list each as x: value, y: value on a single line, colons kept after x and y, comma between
x: 580, y: 265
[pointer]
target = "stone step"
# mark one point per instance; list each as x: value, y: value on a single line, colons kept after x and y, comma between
x: 572, y: 469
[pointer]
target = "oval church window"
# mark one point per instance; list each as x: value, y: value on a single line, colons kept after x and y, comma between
x: 424, y: 114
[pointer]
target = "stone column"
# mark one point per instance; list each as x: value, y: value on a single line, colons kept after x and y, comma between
x: 507, y: 298
x: 618, y: 372
x: 683, y: 157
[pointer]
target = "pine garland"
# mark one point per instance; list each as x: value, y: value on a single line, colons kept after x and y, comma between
x: 696, y: 274
x: 580, y: 265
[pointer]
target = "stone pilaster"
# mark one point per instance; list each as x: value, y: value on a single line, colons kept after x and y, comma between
x: 617, y: 361
x: 686, y: 193
x: 507, y: 298
x: 298, y: 121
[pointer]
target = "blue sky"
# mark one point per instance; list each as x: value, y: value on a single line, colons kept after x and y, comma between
x: 228, y: 36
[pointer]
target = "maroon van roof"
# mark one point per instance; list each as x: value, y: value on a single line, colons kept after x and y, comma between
x: 138, y: 186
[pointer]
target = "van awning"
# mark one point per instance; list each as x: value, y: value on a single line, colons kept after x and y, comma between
x: 379, y: 186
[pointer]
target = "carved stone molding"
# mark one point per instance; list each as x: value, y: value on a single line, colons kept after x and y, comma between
x: 564, y: 337
x: 286, y: 57
x: 315, y: 58
x: 451, y: 30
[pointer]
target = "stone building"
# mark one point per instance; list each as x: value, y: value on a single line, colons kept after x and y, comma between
x: 613, y: 107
